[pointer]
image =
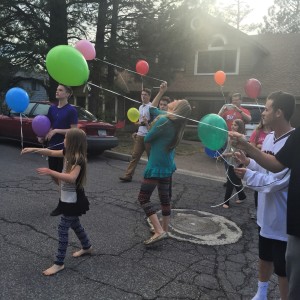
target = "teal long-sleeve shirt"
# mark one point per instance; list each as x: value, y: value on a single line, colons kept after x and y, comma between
x: 161, y: 160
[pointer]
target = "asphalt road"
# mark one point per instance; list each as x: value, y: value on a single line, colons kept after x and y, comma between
x: 121, y: 267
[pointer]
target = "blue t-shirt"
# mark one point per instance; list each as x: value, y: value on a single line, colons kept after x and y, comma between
x: 61, y: 118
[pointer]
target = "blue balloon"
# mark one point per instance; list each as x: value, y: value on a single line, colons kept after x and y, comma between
x: 214, y: 153
x: 211, y: 153
x: 17, y: 99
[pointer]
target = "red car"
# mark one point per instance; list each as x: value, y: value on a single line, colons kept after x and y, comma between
x: 100, y: 135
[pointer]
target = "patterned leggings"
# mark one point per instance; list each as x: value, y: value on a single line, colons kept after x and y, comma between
x: 63, y: 236
x: 164, y: 191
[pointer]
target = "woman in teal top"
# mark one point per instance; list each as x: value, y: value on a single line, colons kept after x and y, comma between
x: 165, y: 134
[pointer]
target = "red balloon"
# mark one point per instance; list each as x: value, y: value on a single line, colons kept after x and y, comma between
x: 252, y: 88
x: 142, y: 67
x: 220, y: 78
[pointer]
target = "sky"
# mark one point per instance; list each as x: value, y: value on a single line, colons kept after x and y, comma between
x: 260, y: 9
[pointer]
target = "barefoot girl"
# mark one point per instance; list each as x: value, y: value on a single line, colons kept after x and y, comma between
x: 73, y: 202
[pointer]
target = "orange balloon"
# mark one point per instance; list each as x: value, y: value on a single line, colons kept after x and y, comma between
x: 220, y: 78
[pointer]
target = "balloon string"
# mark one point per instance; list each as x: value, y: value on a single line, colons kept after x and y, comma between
x: 106, y: 62
x: 107, y: 90
x: 227, y: 176
x: 221, y: 87
x: 21, y: 131
x: 256, y: 101
x: 192, y: 120
x: 227, y: 199
x: 124, y: 81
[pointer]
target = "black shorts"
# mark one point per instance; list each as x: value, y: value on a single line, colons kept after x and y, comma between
x: 274, y: 251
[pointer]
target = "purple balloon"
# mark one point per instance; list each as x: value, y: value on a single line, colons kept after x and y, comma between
x: 41, y: 125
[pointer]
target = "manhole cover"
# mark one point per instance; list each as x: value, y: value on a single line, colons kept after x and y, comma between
x: 202, y: 227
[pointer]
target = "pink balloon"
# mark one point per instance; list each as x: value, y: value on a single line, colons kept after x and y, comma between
x: 252, y: 88
x: 142, y: 67
x: 86, y: 48
x: 41, y: 125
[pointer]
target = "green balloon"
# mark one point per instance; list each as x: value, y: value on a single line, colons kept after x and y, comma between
x: 213, y: 131
x: 67, y: 66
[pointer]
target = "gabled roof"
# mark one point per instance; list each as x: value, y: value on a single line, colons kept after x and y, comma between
x: 218, y: 25
x: 273, y: 59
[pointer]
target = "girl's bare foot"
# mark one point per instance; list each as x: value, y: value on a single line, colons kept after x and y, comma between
x: 83, y: 252
x: 53, y: 270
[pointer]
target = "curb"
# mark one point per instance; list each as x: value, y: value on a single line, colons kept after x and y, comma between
x: 126, y: 157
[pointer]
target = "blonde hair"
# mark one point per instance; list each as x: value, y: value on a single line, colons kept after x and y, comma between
x: 179, y: 117
x: 76, y: 153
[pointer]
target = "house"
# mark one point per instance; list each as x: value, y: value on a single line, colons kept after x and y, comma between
x: 33, y: 83
x: 214, y: 45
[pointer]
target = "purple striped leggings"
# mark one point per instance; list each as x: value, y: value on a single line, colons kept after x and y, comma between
x: 164, y: 192
x: 63, y: 236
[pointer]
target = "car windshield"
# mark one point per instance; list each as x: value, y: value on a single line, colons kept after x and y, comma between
x: 27, y: 110
x: 85, y: 115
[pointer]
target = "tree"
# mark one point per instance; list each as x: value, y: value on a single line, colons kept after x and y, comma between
x: 29, y: 29
x: 283, y: 17
x: 235, y: 14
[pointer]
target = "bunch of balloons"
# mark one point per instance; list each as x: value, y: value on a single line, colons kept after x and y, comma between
x: 17, y: 99
x: 133, y: 114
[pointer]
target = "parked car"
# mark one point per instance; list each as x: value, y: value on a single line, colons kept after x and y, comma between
x: 100, y: 135
x: 255, y: 111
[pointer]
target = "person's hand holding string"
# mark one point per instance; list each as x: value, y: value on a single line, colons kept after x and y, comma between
x: 238, y: 140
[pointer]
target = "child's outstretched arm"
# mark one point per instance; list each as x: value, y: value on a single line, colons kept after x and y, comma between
x: 67, y: 177
x: 43, y: 151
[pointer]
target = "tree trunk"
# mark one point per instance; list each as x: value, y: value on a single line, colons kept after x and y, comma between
x: 95, y: 100
x: 58, y: 33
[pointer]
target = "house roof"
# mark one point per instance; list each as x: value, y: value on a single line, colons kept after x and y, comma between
x: 270, y: 58
x: 278, y: 69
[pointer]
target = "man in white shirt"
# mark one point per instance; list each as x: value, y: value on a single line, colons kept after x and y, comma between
x: 272, y: 194
x: 139, y: 146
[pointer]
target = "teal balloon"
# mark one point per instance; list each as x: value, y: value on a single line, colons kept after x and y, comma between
x: 67, y: 66
x: 213, y: 131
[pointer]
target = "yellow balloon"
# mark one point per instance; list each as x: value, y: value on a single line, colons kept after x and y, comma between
x: 133, y: 114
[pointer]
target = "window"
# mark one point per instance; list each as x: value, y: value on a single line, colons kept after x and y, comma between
x: 34, y: 85
x: 41, y: 109
x: 26, y: 112
x: 217, y: 57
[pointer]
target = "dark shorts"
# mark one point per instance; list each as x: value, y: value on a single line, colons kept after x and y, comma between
x: 274, y: 251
